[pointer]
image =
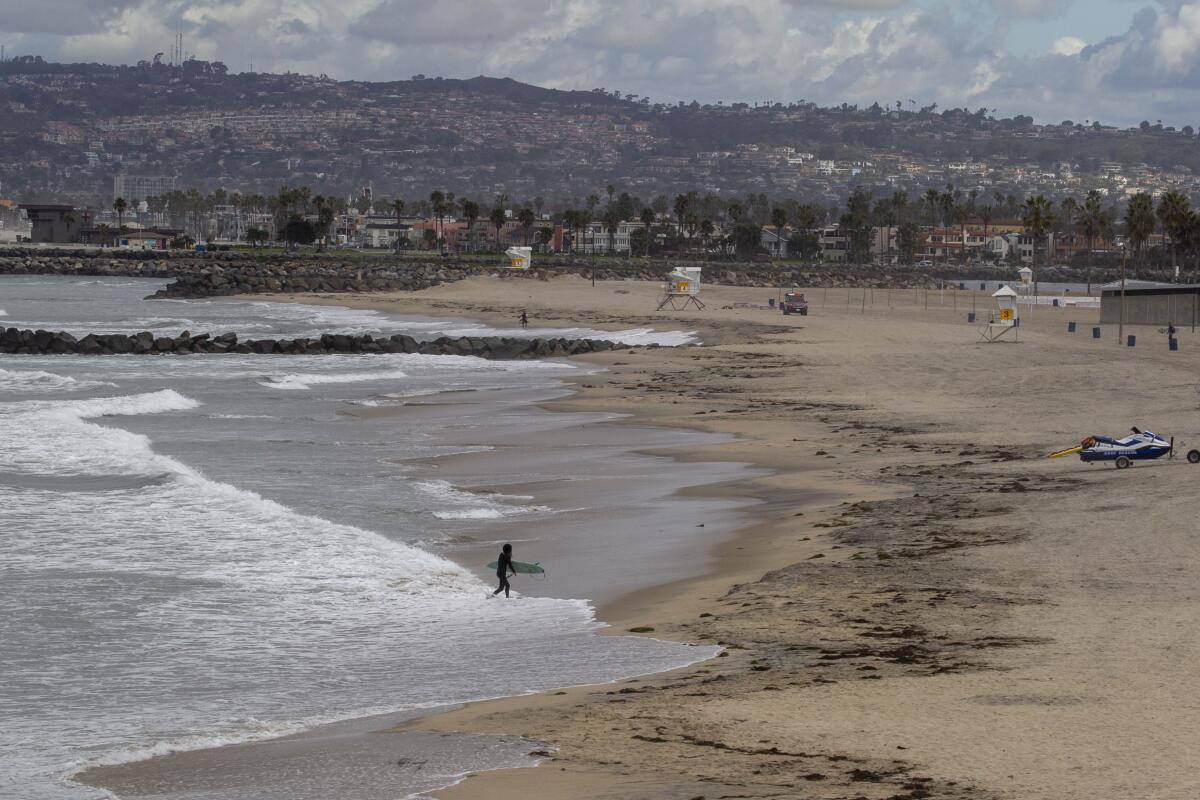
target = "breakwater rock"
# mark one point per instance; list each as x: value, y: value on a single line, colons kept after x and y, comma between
x: 216, y: 279
x: 40, y: 342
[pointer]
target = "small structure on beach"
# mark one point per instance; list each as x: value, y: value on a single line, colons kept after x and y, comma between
x: 1005, y: 320
x: 1148, y: 303
x: 682, y: 289
x: 519, y: 257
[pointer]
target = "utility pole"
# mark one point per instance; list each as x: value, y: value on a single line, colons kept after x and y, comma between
x: 1121, y: 309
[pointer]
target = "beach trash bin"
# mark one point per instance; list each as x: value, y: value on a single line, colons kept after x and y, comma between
x: 1095, y: 333
x: 970, y: 317
x: 982, y: 286
x: 1054, y: 302
x: 1172, y: 344
x: 1070, y: 327
x: 1131, y: 341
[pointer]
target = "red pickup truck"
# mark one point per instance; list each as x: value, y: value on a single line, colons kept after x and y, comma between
x: 794, y: 303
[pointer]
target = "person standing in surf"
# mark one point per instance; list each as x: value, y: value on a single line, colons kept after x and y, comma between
x: 503, y: 568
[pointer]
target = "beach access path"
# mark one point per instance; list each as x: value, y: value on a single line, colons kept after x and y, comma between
x: 925, y: 606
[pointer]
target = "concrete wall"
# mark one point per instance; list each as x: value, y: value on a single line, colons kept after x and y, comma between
x: 1152, y: 309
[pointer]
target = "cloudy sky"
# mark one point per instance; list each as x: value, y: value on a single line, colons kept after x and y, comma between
x: 1118, y: 61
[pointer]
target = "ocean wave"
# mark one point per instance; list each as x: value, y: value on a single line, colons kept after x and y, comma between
x: 306, y: 380
x: 468, y: 505
x: 20, y: 380
x: 159, y: 402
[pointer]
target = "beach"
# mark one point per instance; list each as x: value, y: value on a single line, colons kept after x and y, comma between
x: 252, y: 564
x: 924, y: 605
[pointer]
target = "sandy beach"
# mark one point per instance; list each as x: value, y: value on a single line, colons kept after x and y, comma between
x: 920, y: 603
x: 926, y: 606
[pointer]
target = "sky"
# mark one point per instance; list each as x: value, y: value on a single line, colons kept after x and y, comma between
x: 1116, y: 61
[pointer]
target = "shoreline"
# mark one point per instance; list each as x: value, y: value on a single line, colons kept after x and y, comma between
x: 918, y: 608
x: 156, y: 771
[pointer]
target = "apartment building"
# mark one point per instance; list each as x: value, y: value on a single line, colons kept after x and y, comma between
x: 139, y: 187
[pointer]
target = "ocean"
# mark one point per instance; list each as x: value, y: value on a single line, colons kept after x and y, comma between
x: 207, y: 550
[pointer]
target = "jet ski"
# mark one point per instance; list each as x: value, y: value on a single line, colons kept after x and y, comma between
x: 1138, y: 446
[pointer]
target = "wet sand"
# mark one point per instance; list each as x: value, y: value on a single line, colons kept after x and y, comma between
x: 923, y: 605
x: 960, y: 618
x: 621, y: 514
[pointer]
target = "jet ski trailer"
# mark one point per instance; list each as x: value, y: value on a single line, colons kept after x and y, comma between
x: 1138, y: 446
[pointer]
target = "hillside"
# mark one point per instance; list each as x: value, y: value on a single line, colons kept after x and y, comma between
x: 69, y: 128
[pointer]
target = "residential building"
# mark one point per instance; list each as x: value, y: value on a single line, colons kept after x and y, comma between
x: 834, y: 244
x: 139, y: 187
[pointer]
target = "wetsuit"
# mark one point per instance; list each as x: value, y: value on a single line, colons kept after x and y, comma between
x: 503, y: 565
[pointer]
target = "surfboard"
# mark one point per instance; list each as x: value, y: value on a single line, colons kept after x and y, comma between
x: 521, y: 567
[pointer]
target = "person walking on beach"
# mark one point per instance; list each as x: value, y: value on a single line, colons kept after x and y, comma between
x: 524, y: 320
x: 503, y: 568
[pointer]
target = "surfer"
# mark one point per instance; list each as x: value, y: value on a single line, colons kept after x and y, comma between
x: 503, y: 568
x: 524, y: 320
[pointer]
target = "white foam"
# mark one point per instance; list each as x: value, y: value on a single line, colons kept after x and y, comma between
x: 20, y: 380
x: 630, y: 336
x: 306, y: 380
x: 459, y: 504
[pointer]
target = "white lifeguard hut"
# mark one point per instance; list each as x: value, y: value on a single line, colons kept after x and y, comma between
x: 682, y: 289
x: 519, y: 257
x: 1005, y: 320
x: 1026, y: 275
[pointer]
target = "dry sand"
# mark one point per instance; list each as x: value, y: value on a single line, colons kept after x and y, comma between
x: 957, y: 617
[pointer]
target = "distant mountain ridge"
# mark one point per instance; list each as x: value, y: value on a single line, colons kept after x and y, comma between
x: 67, y: 129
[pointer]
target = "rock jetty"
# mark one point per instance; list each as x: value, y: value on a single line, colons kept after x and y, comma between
x: 230, y: 273
x: 40, y: 342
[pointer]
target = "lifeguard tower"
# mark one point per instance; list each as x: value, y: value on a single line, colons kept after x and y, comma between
x: 682, y: 289
x: 1005, y: 321
x: 519, y: 257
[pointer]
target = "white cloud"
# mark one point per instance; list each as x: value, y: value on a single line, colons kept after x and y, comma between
x: 1041, y: 9
x: 1068, y: 46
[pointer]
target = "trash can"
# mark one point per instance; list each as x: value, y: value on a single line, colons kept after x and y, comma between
x: 771, y: 302
x: 1070, y: 327
x: 1172, y: 344
x: 1131, y: 341
x: 1095, y: 333
x: 970, y: 317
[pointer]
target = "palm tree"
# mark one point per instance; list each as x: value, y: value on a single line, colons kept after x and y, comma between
x: 1139, y: 223
x: 779, y: 220
x: 933, y: 204
x: 526, y: 217
x: 612, y: 223
x: 470, y: 212
x: 437, y: 202
x: 1037, y: 215
x: 648, y: 222
x: 498, y: 218
x: 961, y: 214
x: 985, y: 214
x: 1070, y: 213
x: 1173, y: 211
x: 1091, y: 216
x: 119, y: 205
x: 398, y: 210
